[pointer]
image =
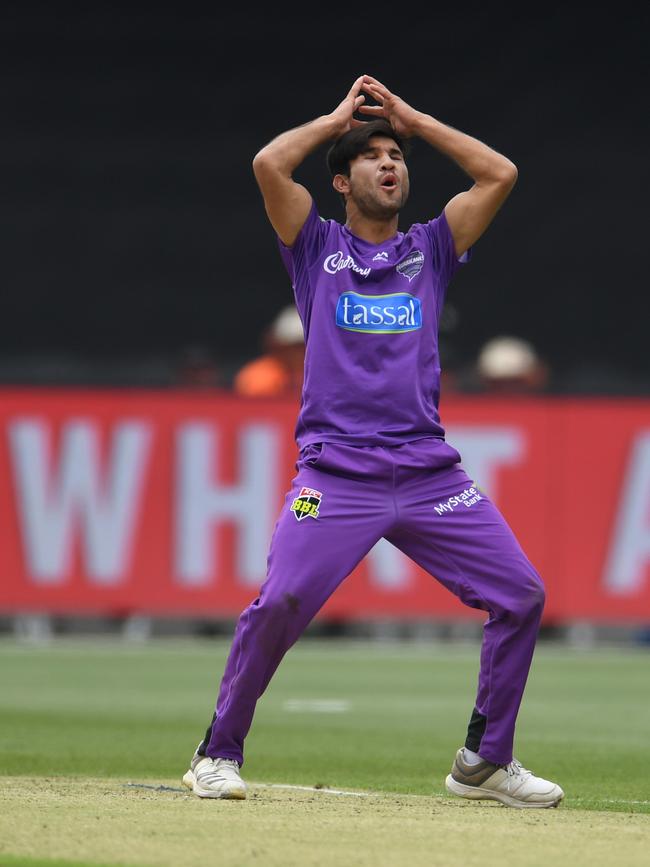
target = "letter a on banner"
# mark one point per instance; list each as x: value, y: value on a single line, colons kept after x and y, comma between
x: 629, y: 556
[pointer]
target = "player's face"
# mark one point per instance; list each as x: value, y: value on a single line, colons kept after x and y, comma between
x: 379, y: 179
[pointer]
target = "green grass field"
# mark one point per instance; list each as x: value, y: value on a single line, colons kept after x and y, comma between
x: 371, y: 717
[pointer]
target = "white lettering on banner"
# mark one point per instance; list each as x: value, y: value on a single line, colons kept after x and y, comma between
x: 54, y: 504
x: 388, y: 567
x: 201, y: 503
x: 629, y: 553
x: 486, y: 448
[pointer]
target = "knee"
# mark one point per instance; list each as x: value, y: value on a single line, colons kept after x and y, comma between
x: 538, y: 596
x: 278, y: 608
x: 529, y: 602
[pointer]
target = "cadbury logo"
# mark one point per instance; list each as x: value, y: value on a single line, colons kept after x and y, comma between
x: 339, y: 262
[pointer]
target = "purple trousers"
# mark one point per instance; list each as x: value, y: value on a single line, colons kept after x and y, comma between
x: 342, y: 501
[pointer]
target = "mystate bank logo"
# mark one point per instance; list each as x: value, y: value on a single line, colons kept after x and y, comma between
x: 466, y: 498
x: 379, y: 314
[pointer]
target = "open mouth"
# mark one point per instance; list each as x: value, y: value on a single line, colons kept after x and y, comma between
x: 389, y: 181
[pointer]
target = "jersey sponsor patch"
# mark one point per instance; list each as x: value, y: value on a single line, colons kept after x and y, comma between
x: 307, y: 504
x: 379, y: 314
x: 466, y: 498
x: 412, y: 265
x: 339, y: 261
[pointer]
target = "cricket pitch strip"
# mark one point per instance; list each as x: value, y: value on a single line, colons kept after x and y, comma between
x: 156, y: 822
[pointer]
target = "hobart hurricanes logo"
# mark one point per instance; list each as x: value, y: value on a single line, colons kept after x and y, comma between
x: 379, y: 314
x: 412, y: 265
x: 306, y: 504
x: 339, y: 262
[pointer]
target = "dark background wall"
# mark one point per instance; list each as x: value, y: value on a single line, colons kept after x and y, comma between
x: 132, y: 228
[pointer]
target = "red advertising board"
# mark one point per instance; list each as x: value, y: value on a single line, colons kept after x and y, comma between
x: 163, y: 502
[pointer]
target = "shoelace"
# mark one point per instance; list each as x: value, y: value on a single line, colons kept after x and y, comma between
x: 516, y: 772
x: 516, y: 769
x: 228, y: 762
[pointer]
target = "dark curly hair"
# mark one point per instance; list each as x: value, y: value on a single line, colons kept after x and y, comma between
x: 355, y: 141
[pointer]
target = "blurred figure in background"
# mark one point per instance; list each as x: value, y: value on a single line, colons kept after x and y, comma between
x: 510, y: 365
x: 279, y: 371
x: 198, y: 369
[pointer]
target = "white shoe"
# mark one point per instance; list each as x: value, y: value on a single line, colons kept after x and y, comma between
x: 214, y: 778
x: 511, y: 784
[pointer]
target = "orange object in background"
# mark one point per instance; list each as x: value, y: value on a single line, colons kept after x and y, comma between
x: 279, y: 372
x: 269, y: 377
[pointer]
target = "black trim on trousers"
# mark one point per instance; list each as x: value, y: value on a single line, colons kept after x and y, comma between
x: 475, y: 731
x: 206, y: 740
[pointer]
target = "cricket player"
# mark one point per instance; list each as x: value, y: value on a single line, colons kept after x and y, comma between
x: 373, y: 460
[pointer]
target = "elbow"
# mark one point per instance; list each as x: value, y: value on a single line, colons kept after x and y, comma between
x: 267, y: 165
x: 261, y: 163
x: 501, y: 176
x: 508, y: 174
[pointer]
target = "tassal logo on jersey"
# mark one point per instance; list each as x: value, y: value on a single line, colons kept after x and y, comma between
x: 379, y: 314
x: 339, y: 261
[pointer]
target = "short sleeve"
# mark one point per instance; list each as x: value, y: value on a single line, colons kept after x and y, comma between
x: 302, y: 254
x: 445, y: 260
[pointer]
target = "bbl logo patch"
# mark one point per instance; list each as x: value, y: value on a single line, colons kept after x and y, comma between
x: 306, y: 504
x: 411, y: 266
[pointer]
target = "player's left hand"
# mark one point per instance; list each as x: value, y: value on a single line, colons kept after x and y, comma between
x: 401, y: 116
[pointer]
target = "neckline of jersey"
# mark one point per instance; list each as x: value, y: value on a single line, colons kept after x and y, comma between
x: 395, y: 239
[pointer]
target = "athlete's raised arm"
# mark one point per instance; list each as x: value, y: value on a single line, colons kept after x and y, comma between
x: 471, y: 212
x: 288, y: 203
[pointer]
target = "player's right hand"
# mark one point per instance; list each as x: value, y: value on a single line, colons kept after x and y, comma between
x: 343, y: 115
x: 401, y: 116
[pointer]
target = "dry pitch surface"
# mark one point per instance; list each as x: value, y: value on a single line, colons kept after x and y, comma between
x: 108, y: 822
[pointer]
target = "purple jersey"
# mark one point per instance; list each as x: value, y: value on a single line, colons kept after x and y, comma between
x: 370, y: 314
